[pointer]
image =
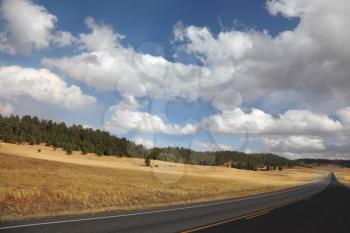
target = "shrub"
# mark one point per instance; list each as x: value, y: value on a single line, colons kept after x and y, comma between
x: 147, y: 162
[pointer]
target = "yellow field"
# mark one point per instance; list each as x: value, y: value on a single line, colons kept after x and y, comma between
x: 34, y: 184
x: 343, y: 174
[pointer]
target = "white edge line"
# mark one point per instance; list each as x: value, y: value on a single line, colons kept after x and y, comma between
x: 156, y: 211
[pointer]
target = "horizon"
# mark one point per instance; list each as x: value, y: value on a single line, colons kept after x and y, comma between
x: 263, y: 77
x: 164, y: 147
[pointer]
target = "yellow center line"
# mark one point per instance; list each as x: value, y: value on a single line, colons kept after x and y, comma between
x: 246, y: 216
x: 258, y: 214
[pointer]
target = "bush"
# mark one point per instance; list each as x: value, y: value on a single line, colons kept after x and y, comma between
x: 69, y: 152
x: 84, y: 151
x: 10, y: 138
x: 147, y: 162
x: 99, y: 153
x: 39, y: 150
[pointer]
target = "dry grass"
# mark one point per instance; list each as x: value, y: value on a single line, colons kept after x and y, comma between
x: 52, y: 183
x: 343, y: 174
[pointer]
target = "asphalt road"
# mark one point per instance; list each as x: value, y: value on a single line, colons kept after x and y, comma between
x: 180, y: 218
x: 327, y: 211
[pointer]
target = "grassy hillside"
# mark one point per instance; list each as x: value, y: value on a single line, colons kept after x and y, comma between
x: 33, y: 130
x: 50, y: 182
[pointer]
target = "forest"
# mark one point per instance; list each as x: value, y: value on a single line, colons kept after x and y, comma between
x: 319, y: 162
x: 32, y: 130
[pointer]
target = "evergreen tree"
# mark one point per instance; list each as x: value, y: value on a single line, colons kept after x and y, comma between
x: 33, y: 130
x: 147, y: 161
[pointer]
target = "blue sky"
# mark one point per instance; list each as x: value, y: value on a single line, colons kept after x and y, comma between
x: 153, y: 21
x: 243, y: 75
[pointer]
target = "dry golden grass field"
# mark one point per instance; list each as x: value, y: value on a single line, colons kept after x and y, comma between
x: 343, y: 174
x: 47, y: 183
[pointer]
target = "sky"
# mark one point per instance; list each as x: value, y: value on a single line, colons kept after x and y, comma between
x: 253, y: 76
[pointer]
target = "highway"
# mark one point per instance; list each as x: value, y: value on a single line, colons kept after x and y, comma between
x: 325, y: 212
x: 309, y: 203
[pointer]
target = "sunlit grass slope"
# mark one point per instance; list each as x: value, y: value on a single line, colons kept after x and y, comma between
x: 46, y: 183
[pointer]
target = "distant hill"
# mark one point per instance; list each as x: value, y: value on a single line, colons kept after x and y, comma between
x: 32, y: 130
x: 338, y: 162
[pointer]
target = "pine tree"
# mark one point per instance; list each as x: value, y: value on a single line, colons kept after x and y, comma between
x: 147, y: 161
x: 32, y: 130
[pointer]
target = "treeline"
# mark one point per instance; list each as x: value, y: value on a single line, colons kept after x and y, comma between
x: 318, y: 162
x: 234, y: 159
x: 32, y: 130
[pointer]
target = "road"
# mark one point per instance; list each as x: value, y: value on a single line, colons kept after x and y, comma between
x: 317, y: 197
x: 327, y: 211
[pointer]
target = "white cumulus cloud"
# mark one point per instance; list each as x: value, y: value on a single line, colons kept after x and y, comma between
x: 308, y: 61
x: 295, y: 144
x: 6, y: 109
x: 146, y: 143
x: 344, y: 115
x: 211, y: 146
x: 106, y: 65
x: 27, y: 26
x: 126, y: 117
x: 42, y: 86
x: 255, y: 121
x: 305, y: 67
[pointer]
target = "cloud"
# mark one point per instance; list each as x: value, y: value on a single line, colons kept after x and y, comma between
x: 6, y: 109
x: 62, y: 39
x: 344, y: 115
x: 295, y: 147
x: 295, y: 144
x: 211, y: 146
x: 305, y: 67
x: 255, y: 121
x: 230, y: 45
x: 42, y: 86
x: 304, y: 70
x: 27, y: 26
x: 309, y: 61
x: 236, y: 66
x: 125, y: 117
x: 146, y: 143
x: 289, y: 8
x: 107, y: 65
x: 101, y: 38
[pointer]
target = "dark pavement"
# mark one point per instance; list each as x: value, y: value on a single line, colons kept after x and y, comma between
x: 327, y: 211
x: 321, y: 211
